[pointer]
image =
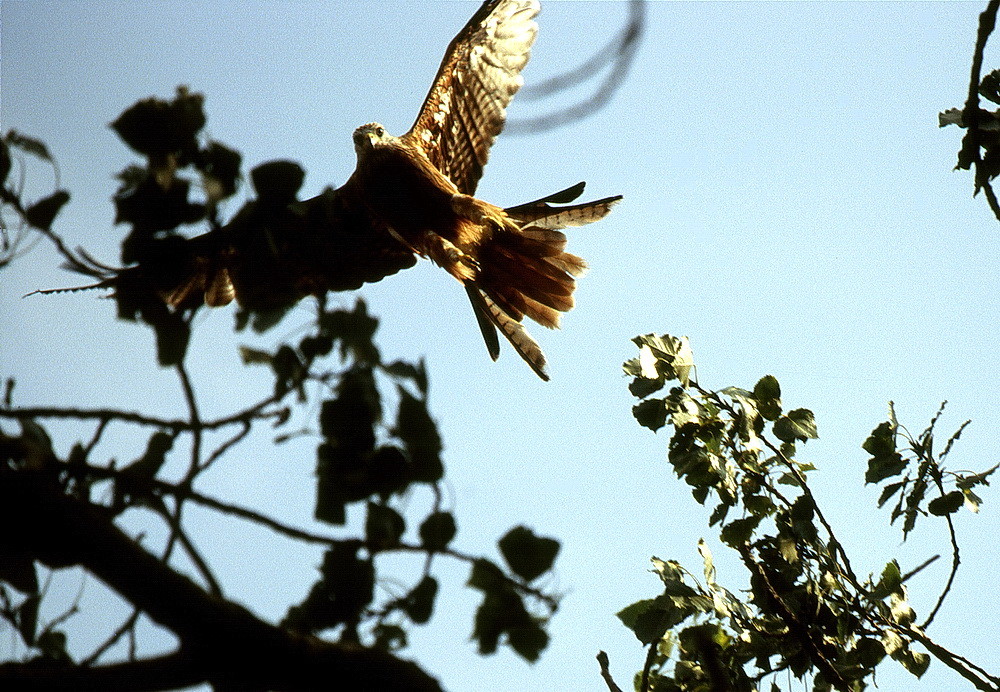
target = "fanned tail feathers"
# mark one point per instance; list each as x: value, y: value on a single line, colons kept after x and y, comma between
x: 524, y: 270
x: 513, y: 331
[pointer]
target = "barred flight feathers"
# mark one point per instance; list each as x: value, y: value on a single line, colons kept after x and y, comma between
x: 465, y: 109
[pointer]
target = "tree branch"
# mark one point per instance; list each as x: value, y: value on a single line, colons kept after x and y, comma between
x: 222, y: 642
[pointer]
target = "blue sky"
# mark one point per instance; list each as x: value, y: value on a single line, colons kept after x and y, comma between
x: 789, y: 206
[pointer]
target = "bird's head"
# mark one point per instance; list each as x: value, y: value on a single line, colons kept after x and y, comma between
x: 369, y: 136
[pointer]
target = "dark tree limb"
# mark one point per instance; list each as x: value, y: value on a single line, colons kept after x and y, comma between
x: 221, y: 642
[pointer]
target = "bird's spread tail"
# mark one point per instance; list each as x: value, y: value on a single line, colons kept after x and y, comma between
x: 524, y: 270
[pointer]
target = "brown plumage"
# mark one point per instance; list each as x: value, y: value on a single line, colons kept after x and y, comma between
x: 419, y: 187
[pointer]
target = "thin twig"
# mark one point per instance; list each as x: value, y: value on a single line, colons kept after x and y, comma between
x: 955, y: 554
x: 113, y: 639
x: 227, y: 445
x: 919, y: 568
x: 602, y: 660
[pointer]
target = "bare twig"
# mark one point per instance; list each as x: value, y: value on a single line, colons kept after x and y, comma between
x: 919, y: 568
x: 955, y: 554
x: 115, y: 637
x: 602, y: 660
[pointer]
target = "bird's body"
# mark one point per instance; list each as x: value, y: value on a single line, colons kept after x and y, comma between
x: 419, y: 187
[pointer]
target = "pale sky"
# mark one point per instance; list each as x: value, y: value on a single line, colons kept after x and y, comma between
x: 790, y: 206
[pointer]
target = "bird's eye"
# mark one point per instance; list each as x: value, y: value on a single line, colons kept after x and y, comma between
x: 379, y: 131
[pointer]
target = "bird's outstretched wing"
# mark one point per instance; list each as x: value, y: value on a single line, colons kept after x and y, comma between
x: 465, y: 108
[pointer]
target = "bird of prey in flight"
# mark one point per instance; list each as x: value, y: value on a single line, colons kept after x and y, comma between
x: 419, y: 187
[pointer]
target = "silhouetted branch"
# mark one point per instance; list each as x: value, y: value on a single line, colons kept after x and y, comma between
x: 223, y: 643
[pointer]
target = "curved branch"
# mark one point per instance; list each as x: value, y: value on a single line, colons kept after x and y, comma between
x: 222, y: 642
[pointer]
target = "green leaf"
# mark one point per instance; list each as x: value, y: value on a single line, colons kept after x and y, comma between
x: 889, y: 491
x: 529, y: 556
x: 915, y: 662
x: 799, y: 424
x: 665, y: 357
x: 437, y: 531
x: 737, y: 533
x: 869, y: 651
x: 885, y: 461
x: 630, y: 614
x: 900, y: 609
x: 946, y: 504
x: 767, y: 392
x: 651, y: 413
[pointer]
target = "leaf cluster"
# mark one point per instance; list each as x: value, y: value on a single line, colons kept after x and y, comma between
x: 927, y: 486
x: 37, y: 216
x: 806, y: 613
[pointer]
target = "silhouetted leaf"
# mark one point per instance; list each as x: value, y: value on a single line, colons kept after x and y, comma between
x: 5, y: 162
x: 155, y: 128
x: 52, y: 645
x: 41, y: 214
x: 486, y: 576
x: 946, y: 504
x: 253, y: 356
x: 419, y: 603
x: 388, y: 471
x: 651, y: 413
x: 383, y: 527
x: 220, y: 166
x: 528, y: 640
x: 350, y: 419
x: 27, y: 617
x: 437, y: 531
x: 18, y: 570
x: 29, y: 145
x: 418, y: 432
x: 416, y: 373
x: 529, y: 556
x: 277, y: 182
x: 389, y: 637
x: 345, y: 589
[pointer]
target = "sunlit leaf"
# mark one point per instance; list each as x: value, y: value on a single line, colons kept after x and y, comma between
x: 799, y: 424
